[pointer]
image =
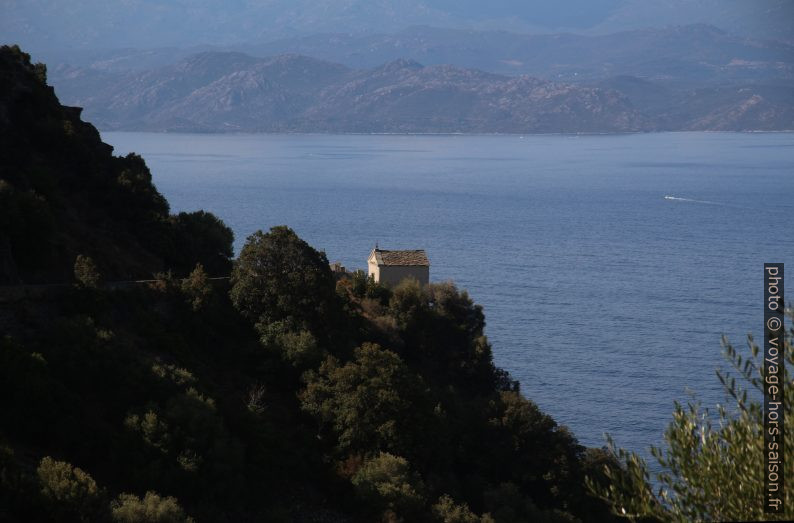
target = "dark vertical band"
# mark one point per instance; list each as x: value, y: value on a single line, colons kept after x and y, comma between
x: 774, y: 334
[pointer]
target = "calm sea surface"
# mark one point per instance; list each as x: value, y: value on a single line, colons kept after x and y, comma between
x: 606, y: 300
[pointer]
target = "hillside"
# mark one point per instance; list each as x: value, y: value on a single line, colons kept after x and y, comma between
x: 282, y: 394
x: 293, y: 93
x: 693, y: 77
x: 63, y: 193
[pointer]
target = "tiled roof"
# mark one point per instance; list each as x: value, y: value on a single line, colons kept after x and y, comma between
x: 417, y: 257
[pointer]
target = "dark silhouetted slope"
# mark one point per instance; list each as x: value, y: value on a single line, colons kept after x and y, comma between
x: 63, y: 193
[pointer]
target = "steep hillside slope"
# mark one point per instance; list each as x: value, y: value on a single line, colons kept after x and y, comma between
x: 63, y: 193
x: 285, y: 393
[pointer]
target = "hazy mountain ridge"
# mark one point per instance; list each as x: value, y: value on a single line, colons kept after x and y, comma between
x: 689, y: 53
x: 293, y: 93
x: 685, y: 54
x: 231, y: 91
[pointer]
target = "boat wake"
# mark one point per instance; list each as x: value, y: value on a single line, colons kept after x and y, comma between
x: 690, y: 200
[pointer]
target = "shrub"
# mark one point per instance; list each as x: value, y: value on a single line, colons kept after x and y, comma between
x: 711, y: 469
x: 71, y: 492
x: 387, y: 483
x: 197, y: 288
x: 153, y: 508
x: 507, y: 505
x: 86, y: 272
x: 447, y: 511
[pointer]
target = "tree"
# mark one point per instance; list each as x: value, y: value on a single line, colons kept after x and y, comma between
x: 197, y: 288
x: 72, y: 493
x: 508, y: 505
x: 386, y: 483
x: 200, y: 237
x: 373, y: 403
x: 129, y: 508
x: 712, y: 466
x: 442, y: 329
x: 86, y: 272
x: 447, y: 511
x: 542, y: 457
x: 281, y: 278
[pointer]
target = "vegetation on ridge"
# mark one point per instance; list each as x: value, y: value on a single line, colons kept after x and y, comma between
x: 62, y: 193
x: 282, y: 395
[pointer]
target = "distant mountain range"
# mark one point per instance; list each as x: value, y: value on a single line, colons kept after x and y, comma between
x: 687, y: 78
x: 691, y: 54
x: 292, y: 93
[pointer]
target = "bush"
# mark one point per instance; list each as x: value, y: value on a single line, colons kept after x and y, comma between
x: 447, y: 511
x: 128, y: 508
x: 507, y: 505
x: 86, y: 272
x: 71, y: 492
x: 386, y: 484
x: 197, y: 288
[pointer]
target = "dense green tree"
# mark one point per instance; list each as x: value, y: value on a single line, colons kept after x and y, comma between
x: 373, y: 403
x: 543, y: 458
x: 132, y: 188
x: 441, y: 333
x: 507, y: 504
x: 283, y: 285
x: 200, y: 237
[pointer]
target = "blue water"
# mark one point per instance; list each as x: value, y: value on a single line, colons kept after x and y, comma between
x: 606, y: 300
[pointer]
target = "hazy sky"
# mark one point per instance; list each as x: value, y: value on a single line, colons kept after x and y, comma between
x: 59, y: 24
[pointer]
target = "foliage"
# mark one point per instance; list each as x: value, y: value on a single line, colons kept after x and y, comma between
x: 442, y: 331
x: 63, y: 193
x: 200, y: 237
x: 508, y: 505
x: 282, y: 395
x: 197, y: 287
x: 712, y: 465
x: 280, y: 278
x: 549, y: 475
x: 447, y: 511
x: 71, y: 492
x: 370, y: 403
x: 387, y: 483
x: 86, y: 272
x: 129, y: 508
x: 27, y: 224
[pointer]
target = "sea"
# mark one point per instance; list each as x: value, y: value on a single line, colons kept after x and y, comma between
x: 609, y: 266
